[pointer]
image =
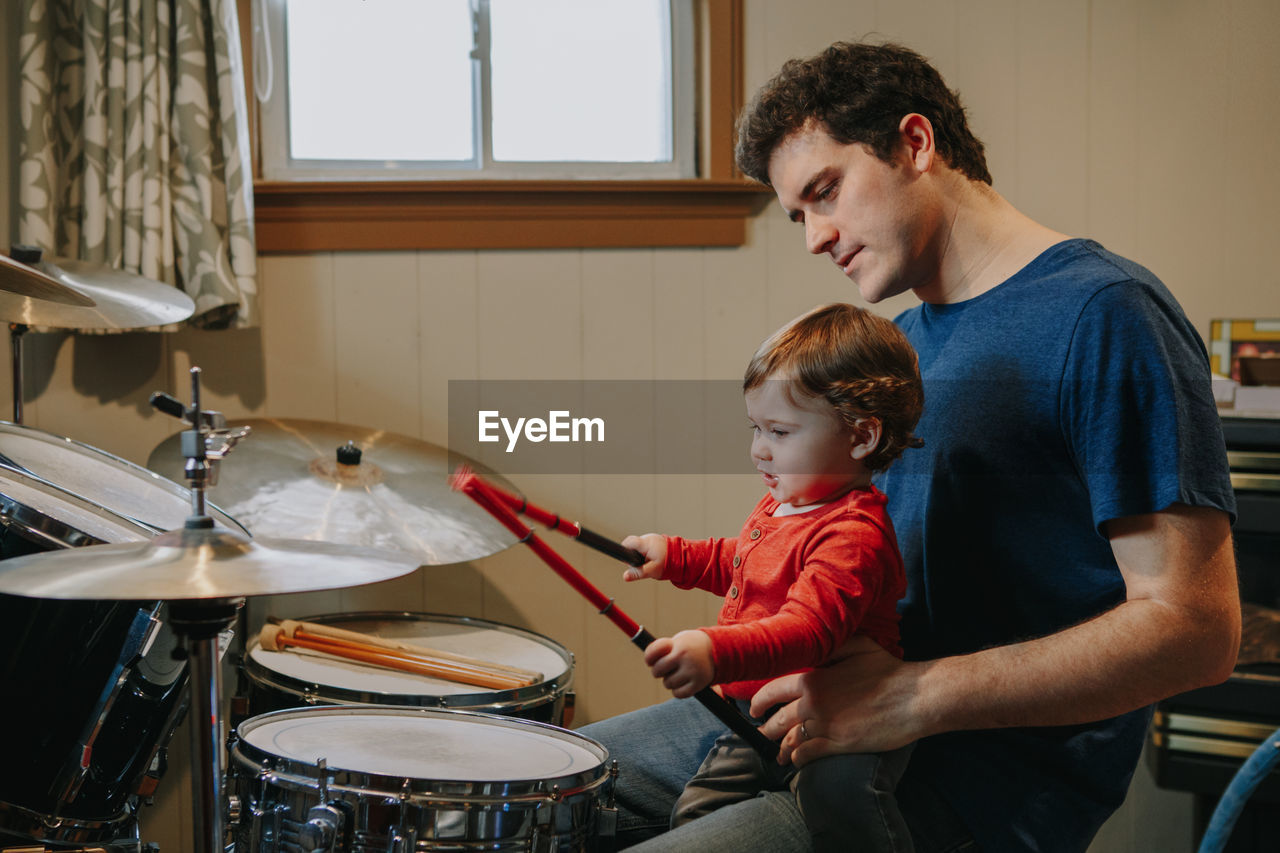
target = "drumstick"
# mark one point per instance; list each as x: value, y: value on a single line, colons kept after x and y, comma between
x: 467, y: 481
x: 572, y: 529
x: 321, y: 630
x: 274, y: 638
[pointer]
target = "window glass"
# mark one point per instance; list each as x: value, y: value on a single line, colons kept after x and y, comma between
x: 380, y: 80
x: 581, y: 80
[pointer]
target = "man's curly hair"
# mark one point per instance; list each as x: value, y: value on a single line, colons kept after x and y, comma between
x: 858, y: 93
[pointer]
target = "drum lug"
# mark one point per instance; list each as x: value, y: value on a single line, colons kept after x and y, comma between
x: 323, y: 827
x: 399, y: 843
x: 235, y: 810
x: 607, y: 819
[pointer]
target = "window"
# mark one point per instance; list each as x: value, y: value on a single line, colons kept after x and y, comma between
x: 464, y: 89
x: 475, y: 212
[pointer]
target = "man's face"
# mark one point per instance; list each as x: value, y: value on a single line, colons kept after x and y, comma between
x: 871, y: 217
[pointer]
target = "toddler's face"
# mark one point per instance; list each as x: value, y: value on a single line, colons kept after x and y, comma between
x: 800, y: 446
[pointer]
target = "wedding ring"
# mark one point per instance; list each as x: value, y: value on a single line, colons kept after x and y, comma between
x: 804, y: 732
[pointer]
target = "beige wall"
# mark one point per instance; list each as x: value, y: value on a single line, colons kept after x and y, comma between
x: 1149, y: 125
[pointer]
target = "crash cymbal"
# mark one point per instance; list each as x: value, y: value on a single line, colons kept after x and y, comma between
x: 197, y: 564
x: 392, y: 492
x: 115, y: 299
x: 20, y: 284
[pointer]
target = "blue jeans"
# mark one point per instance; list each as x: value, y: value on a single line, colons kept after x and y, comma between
x: 660, y: 748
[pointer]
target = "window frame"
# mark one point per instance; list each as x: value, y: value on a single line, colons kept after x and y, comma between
x: 279, y: 164
x: 376, y: 215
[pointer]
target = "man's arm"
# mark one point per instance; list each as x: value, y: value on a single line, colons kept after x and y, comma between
x: 1178, y: 628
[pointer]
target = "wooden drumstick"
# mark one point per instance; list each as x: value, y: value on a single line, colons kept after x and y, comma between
x: 273, y: 638
x: 291, y: 626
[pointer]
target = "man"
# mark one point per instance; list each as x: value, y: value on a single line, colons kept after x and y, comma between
x: 1066, y: 528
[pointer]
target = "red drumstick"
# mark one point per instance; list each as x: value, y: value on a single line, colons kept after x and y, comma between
x: 467, y: 481
x: 572, y: 529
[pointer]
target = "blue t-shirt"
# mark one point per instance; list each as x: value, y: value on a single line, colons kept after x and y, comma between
x: 1073, y: 393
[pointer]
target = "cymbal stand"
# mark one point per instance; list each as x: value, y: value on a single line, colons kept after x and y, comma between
x: 199, y: 622
x: 16, y: 331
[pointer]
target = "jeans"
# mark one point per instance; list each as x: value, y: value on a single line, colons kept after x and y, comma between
x: 660, y: 748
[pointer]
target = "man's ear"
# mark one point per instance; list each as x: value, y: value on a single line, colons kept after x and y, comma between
x: 865, y: 438
x: 917, y: 136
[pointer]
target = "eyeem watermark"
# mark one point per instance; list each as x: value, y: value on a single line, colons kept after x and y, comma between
x: 559, y: 426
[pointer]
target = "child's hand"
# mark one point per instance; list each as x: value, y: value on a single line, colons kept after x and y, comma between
x: 654, y: 548
x: 683, y: 662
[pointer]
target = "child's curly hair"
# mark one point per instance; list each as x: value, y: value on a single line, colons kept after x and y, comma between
x: 859, y: 362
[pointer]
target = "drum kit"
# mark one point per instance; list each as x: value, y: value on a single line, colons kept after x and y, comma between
x: 121, y: 591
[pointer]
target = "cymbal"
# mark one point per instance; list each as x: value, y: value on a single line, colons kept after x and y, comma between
x: 116, y: 299
x: 194, y: 564
x: 285, y: 480
x: 19, y: 284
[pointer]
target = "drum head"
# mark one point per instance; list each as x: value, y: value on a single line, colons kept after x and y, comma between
x: 443, y: 746
x: 326, y: 680
x: 129, y: 491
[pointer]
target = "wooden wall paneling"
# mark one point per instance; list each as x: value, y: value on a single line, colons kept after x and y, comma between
x: 619, y: 340
x: 530, y: 328
x: 376, y: 352
x: 1116, y: 138
x: 232, y: 369
x: 1053, y: 114
x: 985, y: 72
x: 927, y: 26
x: 776, y: 32
x: 1250, y: 185
x: 448, y: 304
x: 736, y: 294
x: 299, y: 335
x: 1182, y: 56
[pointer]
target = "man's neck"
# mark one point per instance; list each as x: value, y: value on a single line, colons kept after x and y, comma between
x: 986, y: 240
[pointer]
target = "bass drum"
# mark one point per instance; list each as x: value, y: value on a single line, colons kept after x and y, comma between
x: 92, y: 690
x: 368, y: 780
x: 275, y: 680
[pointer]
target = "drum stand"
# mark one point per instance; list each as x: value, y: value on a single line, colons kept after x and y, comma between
x: 199, y: 622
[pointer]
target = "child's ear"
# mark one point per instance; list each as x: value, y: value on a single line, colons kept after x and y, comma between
x: 865, y: 438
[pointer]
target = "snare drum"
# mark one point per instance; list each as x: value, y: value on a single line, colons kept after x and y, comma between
x: 278, y: 680
x: 378, y: 779
x: 91, y: 689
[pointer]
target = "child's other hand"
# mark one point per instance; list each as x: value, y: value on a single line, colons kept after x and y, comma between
x: 654, y: 548
x: 683, y: 662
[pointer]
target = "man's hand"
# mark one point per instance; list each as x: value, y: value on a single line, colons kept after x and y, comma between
x: 654, y: 548
x: 859, y: 702
x: 683, y: 662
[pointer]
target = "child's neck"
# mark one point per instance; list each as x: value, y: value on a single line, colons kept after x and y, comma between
x: 785, y: 509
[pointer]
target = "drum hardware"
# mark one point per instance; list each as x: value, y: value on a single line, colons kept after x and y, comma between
x: 205, y: 573
x: 351, y: 485
x: 493, y: 501
x: 75, y: 294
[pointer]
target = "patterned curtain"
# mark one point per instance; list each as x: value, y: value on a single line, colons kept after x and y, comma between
x: 134, y: 145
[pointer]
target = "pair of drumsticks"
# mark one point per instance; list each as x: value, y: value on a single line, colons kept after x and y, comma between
x: 391, y: 653
x: 503, y: 506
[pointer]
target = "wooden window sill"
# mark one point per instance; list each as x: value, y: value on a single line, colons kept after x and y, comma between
x: 395, y: 215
